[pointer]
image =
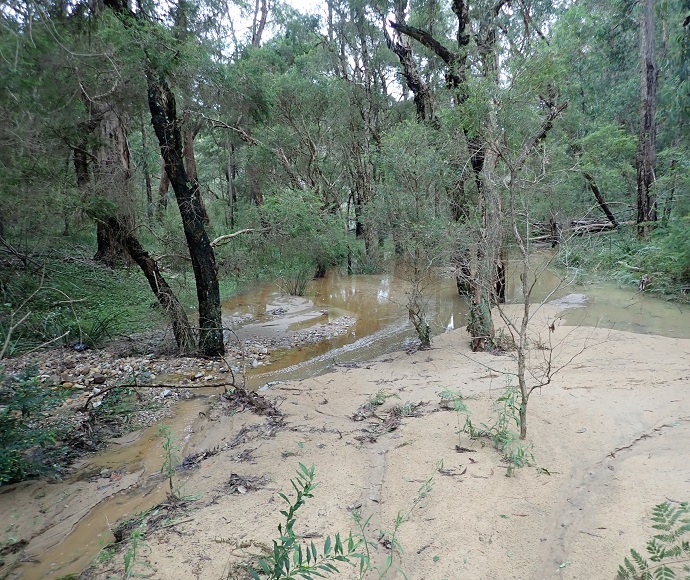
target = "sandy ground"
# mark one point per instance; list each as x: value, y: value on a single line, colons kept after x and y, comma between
x: 613, y: 431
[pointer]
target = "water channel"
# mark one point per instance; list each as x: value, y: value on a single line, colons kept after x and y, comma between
x: 67, y: 543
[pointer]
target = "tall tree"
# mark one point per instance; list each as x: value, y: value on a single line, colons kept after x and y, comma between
x: 646, y: 146
x: 167, y: 127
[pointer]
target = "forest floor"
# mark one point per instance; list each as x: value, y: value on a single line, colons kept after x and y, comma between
x: 611, y: 435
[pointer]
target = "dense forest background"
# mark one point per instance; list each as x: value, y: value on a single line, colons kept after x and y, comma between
x: 206, y: 143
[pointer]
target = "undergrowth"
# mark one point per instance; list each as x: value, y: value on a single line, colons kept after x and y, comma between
x: 73, y: 303
x: 291, y: 558
x: 30, y: 445
x: 664, y: 258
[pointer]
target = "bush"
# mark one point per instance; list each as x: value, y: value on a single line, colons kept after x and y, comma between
x: 28, y: 444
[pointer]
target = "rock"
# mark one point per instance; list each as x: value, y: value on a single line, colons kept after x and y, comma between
x: 165, y: 393
x: 67, y: 384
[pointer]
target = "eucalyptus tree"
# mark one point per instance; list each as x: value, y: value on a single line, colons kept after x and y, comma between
x: 646, y: 148
x: 484, y: 38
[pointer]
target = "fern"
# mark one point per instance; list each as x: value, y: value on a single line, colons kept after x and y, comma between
x: 668, y: 553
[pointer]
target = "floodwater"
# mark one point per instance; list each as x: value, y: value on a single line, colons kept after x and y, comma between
x: 70, y: 538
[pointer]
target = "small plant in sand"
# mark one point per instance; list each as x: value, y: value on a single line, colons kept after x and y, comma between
x: 669, y: 551
x: 516, y: 453
x: 171, y: 458
x: 387, y: 538
x: 131, y: 559
x: 453, y: 401
x: 291, y: 558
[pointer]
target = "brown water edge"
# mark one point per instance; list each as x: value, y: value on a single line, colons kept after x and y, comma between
x: 72, y: 534
x: 376, y: 302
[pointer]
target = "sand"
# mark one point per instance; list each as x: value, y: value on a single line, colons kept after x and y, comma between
x: 611, y: 434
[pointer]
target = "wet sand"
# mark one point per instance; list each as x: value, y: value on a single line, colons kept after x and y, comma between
x: 612, y: 430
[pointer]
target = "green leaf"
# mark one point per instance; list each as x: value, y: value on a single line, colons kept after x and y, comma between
x: 664, y: 573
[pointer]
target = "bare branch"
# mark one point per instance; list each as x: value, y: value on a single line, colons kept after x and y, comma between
x: 220, y: 240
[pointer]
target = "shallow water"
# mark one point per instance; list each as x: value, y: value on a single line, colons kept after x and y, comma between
x: 377, y: 302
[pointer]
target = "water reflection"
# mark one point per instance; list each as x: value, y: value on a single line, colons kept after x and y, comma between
x: 378, y: 304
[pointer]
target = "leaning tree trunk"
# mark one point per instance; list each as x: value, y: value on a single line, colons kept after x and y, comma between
x: 182, y: 331
x: 646, y: 145
x: 167, y: 127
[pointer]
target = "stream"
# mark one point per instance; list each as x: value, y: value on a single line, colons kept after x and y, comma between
x: 72, y: 519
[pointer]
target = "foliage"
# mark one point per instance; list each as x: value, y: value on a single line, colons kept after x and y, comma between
x: 74, y: 303
x: 665, y: 258
x: 29, y: 445
x: 668, y: 551
x: 171, y: 458
x: 290, y: 558
x: 503, y: 437
x: 302, y: 233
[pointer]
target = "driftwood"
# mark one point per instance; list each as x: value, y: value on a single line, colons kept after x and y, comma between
x: 108, y: 389
x: 547, y: 233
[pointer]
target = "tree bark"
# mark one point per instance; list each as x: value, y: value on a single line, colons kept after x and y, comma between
x: 259, y: 21
x: 189, y: 133
x: 112, y: 180
x: 167, y: 127
x: 600, y: 199
x: 646, y: 144
x: 163, y: 187
x: 231, y: 175
x: 147, y: 172
x: 423, y: 97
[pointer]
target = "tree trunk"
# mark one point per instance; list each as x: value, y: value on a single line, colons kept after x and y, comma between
x: 259, y: 21
x: 188, y: 135
x: 423, y: 97
x: 600, y: 199
x: 163, y: 187
x: 646, y: 144
x: 147, y: 172
x: 231, y: 175
x: 112, y: 185
x: 167, y: 127
x: 182, y: 330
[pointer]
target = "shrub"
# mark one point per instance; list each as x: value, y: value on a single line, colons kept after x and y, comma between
x: 28, y: 444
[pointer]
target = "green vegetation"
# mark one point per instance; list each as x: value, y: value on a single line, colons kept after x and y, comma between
x: 664, y: 259
x: 171, y: 458
x: 291, y: 558
x: 504, y: 432
x: 668, y: 551
x: 72, y: 302
x: 30, y: 446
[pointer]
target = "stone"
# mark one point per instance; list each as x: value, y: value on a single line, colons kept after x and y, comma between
x: 98, y: 378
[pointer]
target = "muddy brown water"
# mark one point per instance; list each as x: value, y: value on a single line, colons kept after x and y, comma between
x: 71, y: 521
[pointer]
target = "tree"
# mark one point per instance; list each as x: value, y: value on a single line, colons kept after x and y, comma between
x: 646, y: 147
x: 482, y: 267
x: 167, y: 127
